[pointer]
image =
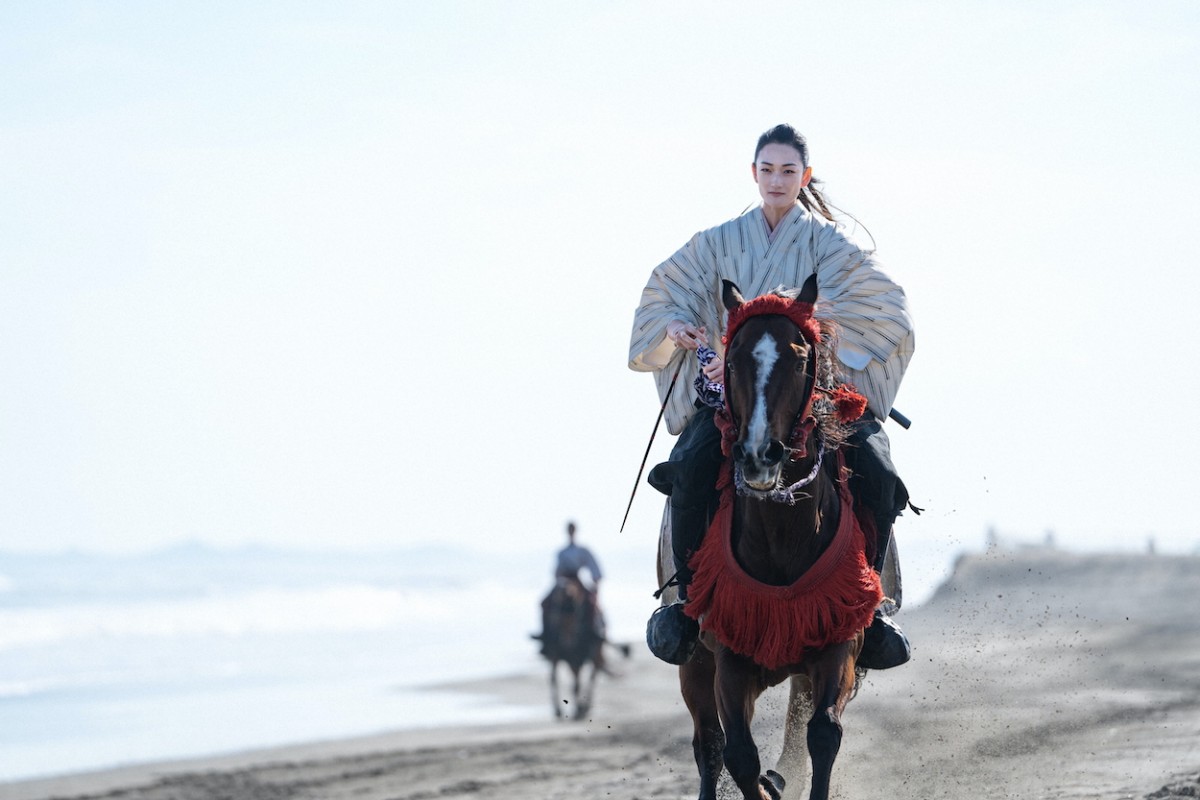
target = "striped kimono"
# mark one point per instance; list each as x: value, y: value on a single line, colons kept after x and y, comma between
x: 876, y: 332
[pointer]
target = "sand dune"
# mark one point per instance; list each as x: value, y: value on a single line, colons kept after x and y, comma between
x: 1036, y: 674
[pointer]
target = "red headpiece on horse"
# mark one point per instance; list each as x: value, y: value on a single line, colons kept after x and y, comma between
x: 848, y: 403
x: 797, y: 311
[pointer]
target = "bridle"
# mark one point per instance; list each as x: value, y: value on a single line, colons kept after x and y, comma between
x: 805, y: 421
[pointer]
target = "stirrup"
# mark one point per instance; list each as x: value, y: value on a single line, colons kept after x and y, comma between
x: 672, y: 635
x: 884, y: 644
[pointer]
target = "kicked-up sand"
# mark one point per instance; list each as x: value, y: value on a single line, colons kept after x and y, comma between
x: 1035, y: 674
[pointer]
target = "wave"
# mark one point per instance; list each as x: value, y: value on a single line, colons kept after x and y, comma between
x: 337, y: 608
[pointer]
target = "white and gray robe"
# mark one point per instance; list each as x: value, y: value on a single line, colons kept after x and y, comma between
x: 876, y: 333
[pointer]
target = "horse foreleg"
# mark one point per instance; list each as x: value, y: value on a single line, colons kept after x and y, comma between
x: 793, y: 758
x: 575, y: 692
x: 696, y: 683
x: 555, y: 697
x: 583, y: 699
x: 739, y: 683
x: 832, y: 676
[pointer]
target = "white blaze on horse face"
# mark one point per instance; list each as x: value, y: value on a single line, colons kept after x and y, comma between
x: 766, y: 354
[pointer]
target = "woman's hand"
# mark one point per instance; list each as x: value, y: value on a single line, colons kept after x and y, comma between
x: 686, y: 335
x: 714, y: 370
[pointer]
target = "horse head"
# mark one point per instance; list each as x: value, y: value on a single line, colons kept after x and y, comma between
x: 770, y: 373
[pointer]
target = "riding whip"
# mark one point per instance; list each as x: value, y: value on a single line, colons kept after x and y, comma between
x: 638, y: 479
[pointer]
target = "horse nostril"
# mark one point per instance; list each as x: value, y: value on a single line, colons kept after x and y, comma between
x: 739, y: 452
x: 774, y: 454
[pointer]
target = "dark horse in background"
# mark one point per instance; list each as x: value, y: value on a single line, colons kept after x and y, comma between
x: 788, y: 511
x: 574, y: 635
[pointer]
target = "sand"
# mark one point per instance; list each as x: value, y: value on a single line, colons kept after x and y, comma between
x: 1036, y: 674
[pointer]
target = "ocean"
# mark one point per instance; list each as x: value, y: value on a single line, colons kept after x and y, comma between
x: 193, y: 651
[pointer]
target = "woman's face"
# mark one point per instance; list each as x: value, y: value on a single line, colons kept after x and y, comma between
x: 780, y: 175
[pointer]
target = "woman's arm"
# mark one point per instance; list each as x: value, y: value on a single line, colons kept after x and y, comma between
x: 876, y: 338
x: 672, y: 308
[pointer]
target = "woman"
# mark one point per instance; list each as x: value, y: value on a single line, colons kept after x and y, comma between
x: 776, y: 245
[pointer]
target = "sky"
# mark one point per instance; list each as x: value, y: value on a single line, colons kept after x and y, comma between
x: 361, y: 275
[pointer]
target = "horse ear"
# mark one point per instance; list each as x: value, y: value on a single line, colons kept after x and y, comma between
x: 731, y: 296
x: 808, y: 292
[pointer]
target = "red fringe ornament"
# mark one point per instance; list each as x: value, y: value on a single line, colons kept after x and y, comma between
x: 850, y: 405
x: 777, y: 626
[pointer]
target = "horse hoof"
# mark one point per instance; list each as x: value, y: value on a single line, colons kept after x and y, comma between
x: 773, y: 783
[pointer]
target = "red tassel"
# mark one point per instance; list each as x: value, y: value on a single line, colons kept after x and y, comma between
x: 850, y: 405
x: 729, y: 433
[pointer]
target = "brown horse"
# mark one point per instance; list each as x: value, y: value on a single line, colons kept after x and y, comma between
x: 781, y: 431
x: 573, y: 635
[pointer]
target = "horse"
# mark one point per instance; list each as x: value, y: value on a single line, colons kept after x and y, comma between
x: 574, y: 635
x: 794, y: 551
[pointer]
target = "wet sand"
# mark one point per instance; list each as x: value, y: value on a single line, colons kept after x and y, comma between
x: 1036, y: 674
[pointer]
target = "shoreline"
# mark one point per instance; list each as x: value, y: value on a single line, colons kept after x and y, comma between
x: 1035, y: 675
x: 626, y: 707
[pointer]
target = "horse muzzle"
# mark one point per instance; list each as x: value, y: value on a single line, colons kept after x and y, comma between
x: 762, y: 467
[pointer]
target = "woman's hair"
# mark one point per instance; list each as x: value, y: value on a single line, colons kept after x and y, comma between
x: 785, y: 134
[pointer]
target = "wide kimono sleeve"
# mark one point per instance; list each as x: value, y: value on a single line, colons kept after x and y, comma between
x: 876, y: 339
x: 680, y: 288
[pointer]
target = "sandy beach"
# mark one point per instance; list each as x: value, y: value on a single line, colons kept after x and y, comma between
x: 1036, y: 674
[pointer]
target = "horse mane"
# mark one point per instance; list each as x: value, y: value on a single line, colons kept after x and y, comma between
x: 829, y: 377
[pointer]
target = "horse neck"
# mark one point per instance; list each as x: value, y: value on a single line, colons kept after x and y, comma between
x: 776, y: 543
x: 574, y: 627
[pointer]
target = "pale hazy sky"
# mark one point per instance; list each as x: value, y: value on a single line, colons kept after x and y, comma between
x: 362, y: 274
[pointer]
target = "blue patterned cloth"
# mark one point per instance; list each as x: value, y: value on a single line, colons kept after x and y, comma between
x: 711, y: 393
